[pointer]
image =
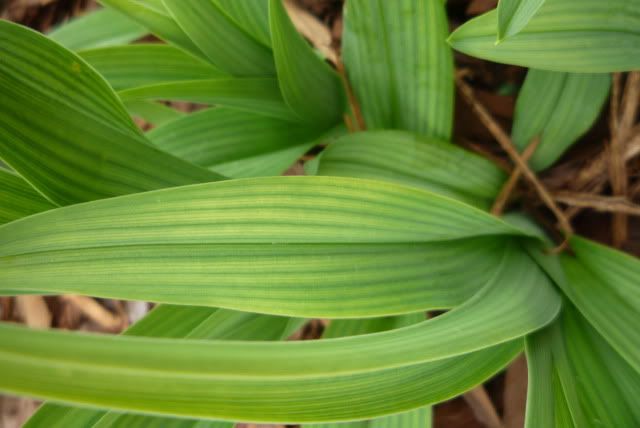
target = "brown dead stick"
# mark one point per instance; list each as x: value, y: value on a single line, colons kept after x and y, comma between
x: 507, y: 189
x: 482, y: 407
x: 617, y: 163
x: 96, y: 312
x: 612, y: 204
x: 505, y: 142
x: 515, y: 393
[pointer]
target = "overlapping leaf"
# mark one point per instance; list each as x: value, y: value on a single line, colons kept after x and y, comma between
x: 230, y: 373
x: 204, y: 232
x: 546, y: 109
x: 514, y: 15
x: 399, y: 64
x: 18, y: 198
x: 588, y: 36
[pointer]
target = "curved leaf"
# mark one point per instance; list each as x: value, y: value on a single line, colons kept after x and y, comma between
x: 588, y: 36
x: 399, y: 64
x: 204, y: 231
x: 546, y: 108
x: 65, y: 131
x: 252, y: 15
x: 146, y: 64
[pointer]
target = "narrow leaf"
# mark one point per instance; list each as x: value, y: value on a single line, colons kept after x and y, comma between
x: 400, y: 65
x: 155, y: 113
x: 252, y: 15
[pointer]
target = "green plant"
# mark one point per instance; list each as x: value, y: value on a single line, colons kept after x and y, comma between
x: 392, y: 224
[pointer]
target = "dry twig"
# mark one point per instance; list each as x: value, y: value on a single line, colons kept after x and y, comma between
x: 96, y: 312
x: 509, y: 186
x: 612, y: 204
x: 483, y: 408
x: 505, y: 142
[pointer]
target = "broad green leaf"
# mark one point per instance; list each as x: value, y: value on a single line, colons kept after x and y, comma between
x: 101, y: 28
x: 153, y: 112
x: 145, y: 64
x: 399, y: 64
x: 419, y: 418
x: 514, y: 15
x: 156, y: 19
x: 220, y: 135
x: 546, y: 108
x: 597, y: 284
x: 414, y: 160
x: 588, y: 36
x: 64, y: 130
x: 228, y: 373
x: 252, y: 15
x: 515, y: 282
x: 168, y: 321
x: 387, y: 231
x: 225, y: 44
x: 18, y: 199
x: 309, y: 86
x: 106, y: 371
x: 259, y: 95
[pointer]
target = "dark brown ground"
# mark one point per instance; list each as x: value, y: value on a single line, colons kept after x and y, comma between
x: 495, y: 87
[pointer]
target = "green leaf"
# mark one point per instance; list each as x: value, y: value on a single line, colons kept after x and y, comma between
x: 595, y: 284
x: 155, y: 113
x: 220, y: 135
x: 106, y: 371
x: 588, y: 36
x: 419, y: 418
x: 309, y: 86
x: 145, y: 64
x: 385, y: 230
x: 215, y: 379
x: 259, y: 95
x: 169, y: 321
x: 101, y: 28
x: 157, y: 20
x: 514, y: 15
x: 540, y: 385
x: 399, y: 64
x: 251, y: 15
x: 546, y: 108
x: 225, y: 44
x: 414, y: 160
x: 64, y: 130
x: 18, y: 199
